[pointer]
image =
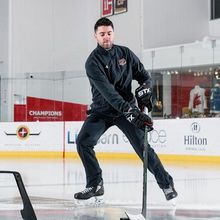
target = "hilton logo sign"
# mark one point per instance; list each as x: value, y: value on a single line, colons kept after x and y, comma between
x: 194, y: 139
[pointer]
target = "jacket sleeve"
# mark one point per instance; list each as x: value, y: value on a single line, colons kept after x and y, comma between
x: 139, y: 72
x: 99, y: 80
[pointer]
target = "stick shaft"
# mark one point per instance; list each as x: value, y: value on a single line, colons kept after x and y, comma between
x: 145, y: 165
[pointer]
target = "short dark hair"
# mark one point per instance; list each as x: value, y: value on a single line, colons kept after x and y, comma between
x: 103, y: 22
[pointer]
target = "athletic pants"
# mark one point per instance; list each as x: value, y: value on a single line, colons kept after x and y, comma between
x: 94, y: 126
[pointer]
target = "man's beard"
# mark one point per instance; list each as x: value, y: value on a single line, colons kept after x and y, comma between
x: 107, y: 46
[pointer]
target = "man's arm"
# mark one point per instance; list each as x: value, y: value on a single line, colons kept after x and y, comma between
x: 139, y: 72
x: 143, y: 93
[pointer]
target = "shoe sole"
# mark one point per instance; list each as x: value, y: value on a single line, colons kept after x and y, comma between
x: 93, y: 201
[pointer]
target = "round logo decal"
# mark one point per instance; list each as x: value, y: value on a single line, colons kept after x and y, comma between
x: 23, y: 132
x: 195, y: 127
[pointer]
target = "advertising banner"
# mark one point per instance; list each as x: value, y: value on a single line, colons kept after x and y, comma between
x: 31, y: 136
x: 198, y: 136
x: 120, y: 6
x: 38, y: 109
x: 106, y: 8
x: 113, y: 7
x: 113, y: 140
x: 172, y: 136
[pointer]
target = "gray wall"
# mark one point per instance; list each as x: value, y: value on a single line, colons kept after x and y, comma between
x: 170, y: 22
x: 56, y: 35
x: 48, y: 35
x: 4, y: 39
x: 4, y: 35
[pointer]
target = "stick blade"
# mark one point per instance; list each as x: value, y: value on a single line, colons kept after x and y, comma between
x: 135, y: 217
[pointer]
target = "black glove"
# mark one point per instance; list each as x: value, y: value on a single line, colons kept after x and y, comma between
x: 139, y: 119
x: 143, y: 95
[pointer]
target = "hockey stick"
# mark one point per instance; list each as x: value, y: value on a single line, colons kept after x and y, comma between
x: 143, y: 215
x: 145, y: 166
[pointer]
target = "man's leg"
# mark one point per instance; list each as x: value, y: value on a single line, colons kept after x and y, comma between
x: 93, y: 127
x: 136, y: 138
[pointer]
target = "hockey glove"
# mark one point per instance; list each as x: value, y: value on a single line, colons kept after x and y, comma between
x: 143, y: 95
x: 139, y: 119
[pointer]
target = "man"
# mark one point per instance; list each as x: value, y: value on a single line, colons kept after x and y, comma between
x: 111, y: 69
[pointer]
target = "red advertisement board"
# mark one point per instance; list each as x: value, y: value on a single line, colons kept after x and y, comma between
x: 38, y: 109
x: 107, y: 8
x: 112, y: 7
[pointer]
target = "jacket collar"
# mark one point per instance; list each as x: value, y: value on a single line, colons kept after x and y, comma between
x: 106, y: 52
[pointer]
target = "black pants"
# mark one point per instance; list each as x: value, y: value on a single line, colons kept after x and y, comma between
x: 92, y: 129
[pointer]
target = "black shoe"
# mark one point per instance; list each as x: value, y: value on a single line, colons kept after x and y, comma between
x: 170, y: 193
x: 89, y: 192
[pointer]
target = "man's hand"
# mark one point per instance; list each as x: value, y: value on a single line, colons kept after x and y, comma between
x: 139, y: 119
x: 143, y: 95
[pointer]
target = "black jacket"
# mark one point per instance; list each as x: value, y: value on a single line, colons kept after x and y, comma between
x: 110, y: 73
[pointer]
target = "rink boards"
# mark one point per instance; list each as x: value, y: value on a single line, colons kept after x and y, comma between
x: 172, y: 139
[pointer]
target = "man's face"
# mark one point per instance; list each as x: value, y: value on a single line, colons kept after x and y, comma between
x: 105, y: 36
